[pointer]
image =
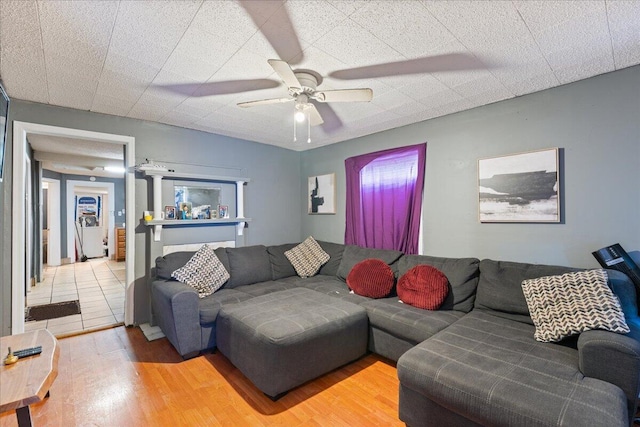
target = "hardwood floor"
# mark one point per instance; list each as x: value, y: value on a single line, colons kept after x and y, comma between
x: 115, y: 377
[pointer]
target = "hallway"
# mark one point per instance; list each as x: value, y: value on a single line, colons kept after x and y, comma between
x: 97, y: 283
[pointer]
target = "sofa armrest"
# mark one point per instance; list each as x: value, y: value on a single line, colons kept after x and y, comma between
x: 175, y: 309
x: 613, y: 358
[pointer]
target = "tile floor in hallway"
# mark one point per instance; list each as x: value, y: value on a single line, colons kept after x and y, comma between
x: 97, y: 283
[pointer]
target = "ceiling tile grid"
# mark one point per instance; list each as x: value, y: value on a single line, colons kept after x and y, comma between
x: 189, y: 62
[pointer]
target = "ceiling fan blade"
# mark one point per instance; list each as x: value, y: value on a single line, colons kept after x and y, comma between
x: 427, y: 64
x: 285, y: 72
x: 285, y: 43
x: 345, y: 95
x: 331, y: 120
x: 315, y: 118
x: 220, y: 88
x: 264, y: 102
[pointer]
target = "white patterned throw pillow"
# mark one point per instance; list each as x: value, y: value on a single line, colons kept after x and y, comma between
x: 203, y: 272
x: 307, y: 257
x: 571, y: 303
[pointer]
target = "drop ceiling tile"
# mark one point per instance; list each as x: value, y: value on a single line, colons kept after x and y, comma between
x: 485, y: 82
x: 438, y: 99
x: 348, y: 7
x: 229, y: 22
x: 533, y: 83
x: 406, y: 26
x: 289, y: 45
x: 489, y: 97
x: 68, y: 93
x: 199, y: 55
x: 624, y: 24
x: 149, y: 31
x: 19, y: 30
x: 396, y: 102
x: 427, y: 86
x: 319, y: 18
x: 148, y: 111
x: 24, y: 78
x: 118, y: 109
x: 585, y: 69
x: 567, y: 32
x: 356, y: 46
x: 79, y: 30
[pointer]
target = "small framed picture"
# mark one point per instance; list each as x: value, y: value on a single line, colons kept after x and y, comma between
x: 214, y: 214
x: 169, y: 212
x: 223, y: 211
x: 185, y: 210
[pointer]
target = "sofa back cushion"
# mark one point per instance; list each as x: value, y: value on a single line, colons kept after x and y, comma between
x: 500, y: 286
x: 166, y: 265
x: 248, y: 265
x: 335, y: 251
x: 354, y: 254
x: 281, y: 267
x: 462, y: 274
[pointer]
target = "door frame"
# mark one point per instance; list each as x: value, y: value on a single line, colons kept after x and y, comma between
x: 53, y: 217
x: 20, y: 132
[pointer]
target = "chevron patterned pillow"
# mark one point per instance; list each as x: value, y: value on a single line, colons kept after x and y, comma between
x: 203, y: 272
x: 307, y: 257
x: 571, y: 303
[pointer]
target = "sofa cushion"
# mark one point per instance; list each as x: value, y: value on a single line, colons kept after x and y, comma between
x: 263, y: 288
x: 248, y: 264
x: 166, y: 265
x: 354, y: 254
x: 572, y: 303
x: 406, y: 322
x: 462, y: 274
x: 500, y: 286
x: 204, y: 272
x: 491, y: 370
x: 335, y: 251
x: 371, y: 278
x: 307, y: 257
x: 281, y: 267
x: 210, y: 306
x: 423, y: 286
x: 331, y: 285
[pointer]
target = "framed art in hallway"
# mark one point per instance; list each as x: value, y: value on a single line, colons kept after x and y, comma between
x: 322, y: 194
x: 523, y: 187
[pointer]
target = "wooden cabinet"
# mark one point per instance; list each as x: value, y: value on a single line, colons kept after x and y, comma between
x: 121, y: 238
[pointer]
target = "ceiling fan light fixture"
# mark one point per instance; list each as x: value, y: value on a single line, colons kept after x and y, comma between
x: 299, y: 115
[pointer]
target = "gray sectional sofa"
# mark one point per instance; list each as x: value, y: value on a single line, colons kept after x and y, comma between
x: 472, y: 362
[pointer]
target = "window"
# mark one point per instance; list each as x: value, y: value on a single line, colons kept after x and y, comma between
x: 384, y: 198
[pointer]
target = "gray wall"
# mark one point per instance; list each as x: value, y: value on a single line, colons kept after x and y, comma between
x: 272, y: 197
x: 597, y: 124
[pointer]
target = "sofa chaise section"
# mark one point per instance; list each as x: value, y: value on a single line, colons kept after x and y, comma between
x: 587, y: 380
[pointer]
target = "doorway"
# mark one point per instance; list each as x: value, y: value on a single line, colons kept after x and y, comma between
x: 21, y: 131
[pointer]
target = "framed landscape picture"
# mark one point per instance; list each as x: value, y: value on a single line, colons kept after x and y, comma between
x: 521, y: 187
x: 322, y: 194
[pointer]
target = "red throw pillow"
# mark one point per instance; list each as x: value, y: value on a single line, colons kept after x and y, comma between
x: 371, y: 278
x: 424, y: 287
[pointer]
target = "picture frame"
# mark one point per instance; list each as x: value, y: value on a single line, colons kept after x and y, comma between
x: 522, y: 187
x: 321, y: 194
x: 169, y: 212
x: 223, y: 211
x: 185, y: 210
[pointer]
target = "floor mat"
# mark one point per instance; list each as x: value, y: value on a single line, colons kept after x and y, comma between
x: 52, y: 311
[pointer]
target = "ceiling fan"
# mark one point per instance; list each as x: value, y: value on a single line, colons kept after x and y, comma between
x: 302, y: 85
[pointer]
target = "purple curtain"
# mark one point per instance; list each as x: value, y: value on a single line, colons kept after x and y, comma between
x: 384, y: 198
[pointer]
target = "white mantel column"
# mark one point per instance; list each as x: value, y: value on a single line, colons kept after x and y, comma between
x: 157, y: 197
x: 240, y: 206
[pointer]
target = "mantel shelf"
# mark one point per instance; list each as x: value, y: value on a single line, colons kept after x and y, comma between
x: 188, y: 222
x: 195, y: 176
